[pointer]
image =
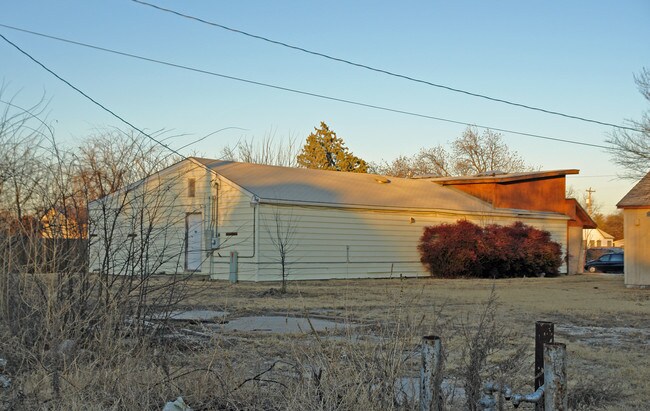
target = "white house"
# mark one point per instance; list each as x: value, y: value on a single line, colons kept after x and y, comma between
x: 595, y: 237
x: 231, y: 220
x: 636, y: 226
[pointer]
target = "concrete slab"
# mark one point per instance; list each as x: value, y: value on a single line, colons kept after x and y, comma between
x: 281, y: 324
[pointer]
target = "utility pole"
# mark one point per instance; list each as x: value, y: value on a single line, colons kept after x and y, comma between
x: 589, y: 202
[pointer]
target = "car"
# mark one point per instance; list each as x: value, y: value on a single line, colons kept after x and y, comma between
x: 606, y: 263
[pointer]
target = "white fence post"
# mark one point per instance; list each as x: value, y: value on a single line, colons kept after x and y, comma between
x: 431, y: 374
x: 556, y: 395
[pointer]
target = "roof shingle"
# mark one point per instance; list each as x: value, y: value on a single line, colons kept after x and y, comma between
x: 339, y: 188
x: 639, y: 195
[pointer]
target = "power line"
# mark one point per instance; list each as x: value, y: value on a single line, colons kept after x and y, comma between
x: 595, y: 176
x: 100, y: 105
x: 384, y: 71
x: 301, y: 92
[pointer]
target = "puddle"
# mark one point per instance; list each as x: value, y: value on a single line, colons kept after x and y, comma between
x: 281, y: 324
x: 606, y: 335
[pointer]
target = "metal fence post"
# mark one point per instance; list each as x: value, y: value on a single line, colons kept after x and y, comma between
x: 556, y: 396
x: 431, y: 374
x: 544, y: 334
x: 234, y: 267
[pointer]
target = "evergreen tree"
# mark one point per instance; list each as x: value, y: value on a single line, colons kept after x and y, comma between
x: 325, y: 151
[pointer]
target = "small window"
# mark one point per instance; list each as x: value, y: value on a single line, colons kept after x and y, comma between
x: 191, y: 187
x: 592, y: 243
x: 609, y: 243
x: 598, y: 242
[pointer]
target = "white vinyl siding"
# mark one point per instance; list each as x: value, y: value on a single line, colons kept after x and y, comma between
x: 352, y: 243
x: 235, y: 215
x: 637, y: 243
x: 145, y: 223
x: 340, y: 241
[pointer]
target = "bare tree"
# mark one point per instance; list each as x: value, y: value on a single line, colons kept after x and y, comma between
x: 631, y: 149
x: 479, y: 153
x: 22, y: 135
x: 587, y: 202
x: 48, y: 297
x: 113, y: 158
x: 269, y: 150
x: 281, y: 227
x: 470, y: 154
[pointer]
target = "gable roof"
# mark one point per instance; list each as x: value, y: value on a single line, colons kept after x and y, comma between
x: 603, y: 234
x: 638, y: 196
x: 301, y: 185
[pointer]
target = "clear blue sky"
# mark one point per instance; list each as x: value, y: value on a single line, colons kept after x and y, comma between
x: 576, y: 57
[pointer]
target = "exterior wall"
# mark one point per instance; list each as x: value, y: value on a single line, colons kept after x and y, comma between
x: 141, y: 229
x: 576, y: 254
x: 146, y: 232
x: 637, y: 250
x: 594, y: 238
x: 353, y: 243
x: 540, y: 194
x: 234, y: 220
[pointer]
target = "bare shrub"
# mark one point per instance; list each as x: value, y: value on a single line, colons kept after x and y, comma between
x: 588, y: 393
x: 281, y: 228
x: 57, y: 319
x: 488, y: 352
x: 373, y: 368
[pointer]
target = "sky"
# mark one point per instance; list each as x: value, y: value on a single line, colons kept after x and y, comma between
x: 576, y: 57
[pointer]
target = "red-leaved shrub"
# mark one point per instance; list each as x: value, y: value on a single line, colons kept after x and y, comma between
x: 466, y: 250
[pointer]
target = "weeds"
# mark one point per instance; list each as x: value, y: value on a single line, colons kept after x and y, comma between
x: 590, y: 393
x: 486, y: 338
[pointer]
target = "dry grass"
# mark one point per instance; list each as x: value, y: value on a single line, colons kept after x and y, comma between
x: 357, y: 368
x: 574, y: 301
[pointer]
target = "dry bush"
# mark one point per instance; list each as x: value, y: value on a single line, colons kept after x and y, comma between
x: 489, y: 352
x: 57, y: 320
x: 589, y: 393
x: 369, y: 367
x: 358, y: 372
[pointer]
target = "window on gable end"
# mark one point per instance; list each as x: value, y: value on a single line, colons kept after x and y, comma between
x: 191, y: 187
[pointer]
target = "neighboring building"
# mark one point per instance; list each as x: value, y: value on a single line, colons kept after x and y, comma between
x: 55, y: 224
x: 535, y: 191
x: 636, y: 223
x: 619, y: 243
x: 228, y: 219
x: 595, y: 237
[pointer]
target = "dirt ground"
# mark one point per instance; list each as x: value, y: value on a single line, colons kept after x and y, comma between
x: 605, y: 325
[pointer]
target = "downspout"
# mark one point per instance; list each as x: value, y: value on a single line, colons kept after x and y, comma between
x: 256, y: 240
x: 255, y: 201
x: 212, y: 212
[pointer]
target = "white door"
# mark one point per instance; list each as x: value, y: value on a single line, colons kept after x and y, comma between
x: 194, y: 236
